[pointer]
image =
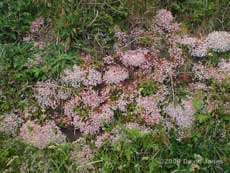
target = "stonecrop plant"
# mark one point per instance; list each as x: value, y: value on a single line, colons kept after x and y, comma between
x: 151, y: 100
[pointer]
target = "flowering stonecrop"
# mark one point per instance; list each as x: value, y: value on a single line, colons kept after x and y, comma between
x: 92, y: 99
x: 108, y: 60
x: 163, y: 70
x: 11, y: 124
x: 218, y: 41
x: 48, y: 94
x: 95, y: 121
x: 125, y: 39
x: 164, y: 22
x: 176, y: 55
x: 221, y: 72
x: 197, y: 48
x: 200, y: 72
x: 96, y: 98
x: 37, y: 25
x: 183, y: 114
x: 78, y: 76
x: 96, y: 117
x: 122, y: 102
x: 164, y: 19
x: 73, y: 77
x: 122, y: 38
x: 92, y: 78
x: 101, y: 139
x: 136, y: 126
x: 224, y: 65
x: 45, y: 93
x: 135, y: 58
x: 41, y: 136
x: 149, y: 112
x: 115, y: 75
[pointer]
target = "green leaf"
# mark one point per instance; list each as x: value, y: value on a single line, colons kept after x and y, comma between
x: 196, y: 103
x: 202, y: 118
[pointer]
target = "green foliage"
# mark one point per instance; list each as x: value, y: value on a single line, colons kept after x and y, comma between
x: 17, y: 157
x: 133, y: 154
x: 202, y: 118
x: 116, y: 93
x: 147, y: 88
x: 214, y: 57
x: 82, y: 112
x: 141, y: 152
x: 21, y: 65
x: 59, y: 158
x: 202, y: 15
x: 87, y: 23
x: 9, y: 152
x: 15, y: 19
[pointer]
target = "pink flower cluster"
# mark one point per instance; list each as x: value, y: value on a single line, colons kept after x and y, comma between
x: 92, y: 78
x: 176, y: 54
x: 102, y: 138
x: 147, y: 107
x: 78, y: 76
x: 224, y: 66
x: 98, y: 114
x: 70, y: 105
x: 124, y: 39
x: 11, y: 124
x: 123, y: 73
x: 135, y: 58
x: 182, y: 115
x: 198, y: 86
x: 41, y: 136
x: 95, y: 121
x: 108, y: 60
x: 115, y: 75
x: 165, y: 21
x: 73, y: 77
x: 218, y: 41
x: 92, y: 99
x: 163, y: 69
x: 201, y: 72
x: 48, y: 94
x: 221, y: 72
x: 197, y: 48
x: 122, y: 103
x: 37, y: 25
